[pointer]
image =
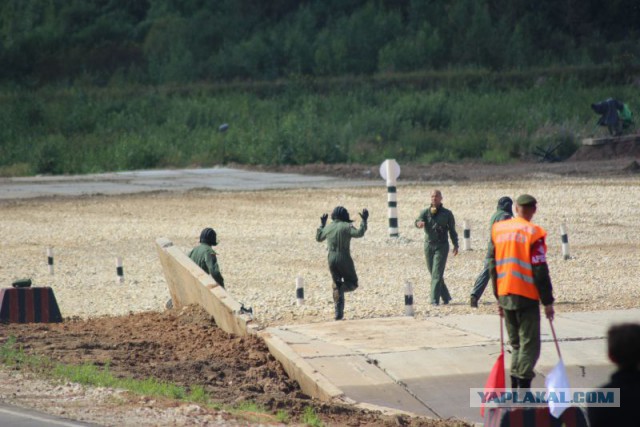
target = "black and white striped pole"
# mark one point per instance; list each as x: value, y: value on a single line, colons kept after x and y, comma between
x: 299, y: 290
x: 390, y: 171
x: 50, y: 259
x: 466, y: 242
x: 408, y: 299
x: 119, y: 270
x: 565, y: 242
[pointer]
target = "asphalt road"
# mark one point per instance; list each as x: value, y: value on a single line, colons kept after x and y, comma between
x: 12, y: 416
x: 221, y: 179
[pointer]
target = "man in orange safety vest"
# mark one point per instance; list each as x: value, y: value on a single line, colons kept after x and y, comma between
x: 520, y: 278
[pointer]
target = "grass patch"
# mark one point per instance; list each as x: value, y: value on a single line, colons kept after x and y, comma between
x: 282, y: 416
x: 310, y: 417
x: 13, y: 355
x: 17, y: 169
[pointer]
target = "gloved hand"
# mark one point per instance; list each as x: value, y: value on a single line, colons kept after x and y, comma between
x: 323, y: 219
x: 364, y: 215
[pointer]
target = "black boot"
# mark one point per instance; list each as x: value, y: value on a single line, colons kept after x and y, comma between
x: 338, y: 302
x: 524, y: 383
x: 514, y: 382
x: 339, y: 306
x: 474, y: 301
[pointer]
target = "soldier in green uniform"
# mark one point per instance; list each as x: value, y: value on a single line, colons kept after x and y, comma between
x: 503, y: 211
x: 338, y: 235
x: 205, y: 256
x: 519, y: 250
x: 438, y: 224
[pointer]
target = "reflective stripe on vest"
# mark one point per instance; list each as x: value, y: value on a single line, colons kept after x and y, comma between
x: 512, y: 240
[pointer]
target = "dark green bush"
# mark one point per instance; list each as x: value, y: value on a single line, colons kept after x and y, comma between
x: 54, y: 131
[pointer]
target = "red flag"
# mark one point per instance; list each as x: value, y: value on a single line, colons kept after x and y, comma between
x: 495, y: 380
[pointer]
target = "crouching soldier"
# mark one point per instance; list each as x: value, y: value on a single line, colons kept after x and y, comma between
x: 205, y: 256
x: 338, y: 235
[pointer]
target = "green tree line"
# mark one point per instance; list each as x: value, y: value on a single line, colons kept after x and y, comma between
x: 160, y: 41
x: 88, y: 130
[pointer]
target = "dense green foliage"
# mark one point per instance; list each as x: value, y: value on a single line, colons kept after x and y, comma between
x: 99, y: 85
x: 158, y: 41
x: 100, y: 129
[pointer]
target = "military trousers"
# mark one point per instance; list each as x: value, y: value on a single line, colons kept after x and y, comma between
x: 523, y: 328
x: 481, y: 281
x: 436, y: 255
x: 344, y: 277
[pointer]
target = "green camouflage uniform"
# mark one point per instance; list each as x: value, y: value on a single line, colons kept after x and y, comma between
x: 436, y: 248
x: 343, y: 272
x: 205, y: 257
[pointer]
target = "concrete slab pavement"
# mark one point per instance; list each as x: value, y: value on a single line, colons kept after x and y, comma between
x: 426, y: 366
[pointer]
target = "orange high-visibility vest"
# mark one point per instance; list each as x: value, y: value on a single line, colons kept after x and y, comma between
x: 512, y: 240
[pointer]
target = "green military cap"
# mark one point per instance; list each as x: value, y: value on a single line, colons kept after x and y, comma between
x: 526, y: 199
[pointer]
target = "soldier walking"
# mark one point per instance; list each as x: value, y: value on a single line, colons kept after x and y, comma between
x: 439, y: 224
x: 503, y: 211
x: 338, y: 235
x: 520, y: 279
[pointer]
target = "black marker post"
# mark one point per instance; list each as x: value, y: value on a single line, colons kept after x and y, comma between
x: 50, y: 259
x: 119, y: 270
x: 299, y: 290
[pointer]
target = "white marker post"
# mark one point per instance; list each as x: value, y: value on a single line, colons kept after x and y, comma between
x: 565, y: 242
x: 119, y: 270
x: 50, y: 259
x: 466, y: 242
x: 390, y: 171
x: 300, y: 290
x: 408, y: 299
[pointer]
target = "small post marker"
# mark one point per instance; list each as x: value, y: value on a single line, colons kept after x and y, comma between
x: 466, y: 243
x: 299, y: 290
x: 565, y: 242
x: 390, y: 171
x: 119, y: 270
x: 408, y: 299
x: 50, y: 259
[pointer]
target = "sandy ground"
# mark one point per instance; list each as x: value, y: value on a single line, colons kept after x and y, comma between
x: 267, y: 238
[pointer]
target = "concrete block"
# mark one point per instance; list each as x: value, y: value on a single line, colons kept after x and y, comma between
x: 389, y: 334
x: 311, y: 381
x: 601, y: 321
x: 439, y: 362
x: 189, y: 284
x: 363, y: 381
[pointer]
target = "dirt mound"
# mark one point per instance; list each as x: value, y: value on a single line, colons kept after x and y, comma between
x: 185, y: 347
x: 633, y: 167
x: 622, y: 147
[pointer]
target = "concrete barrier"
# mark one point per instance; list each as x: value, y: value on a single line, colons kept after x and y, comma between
x: 189, y: 284
x: 310, y: 380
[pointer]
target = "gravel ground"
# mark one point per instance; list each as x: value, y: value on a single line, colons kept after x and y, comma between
x: 107, y: 407
x: 267, y: 238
